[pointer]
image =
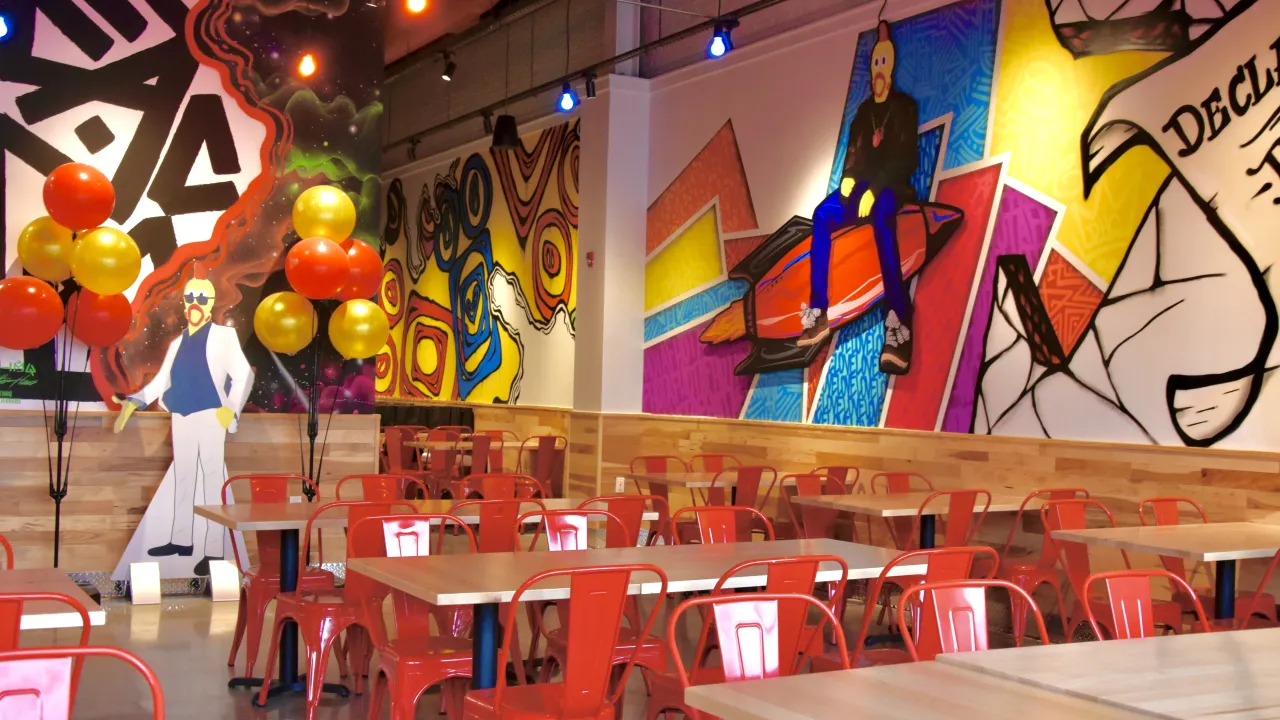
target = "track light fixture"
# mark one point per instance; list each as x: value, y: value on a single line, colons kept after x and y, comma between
x: 450, y: 68
x: 591, y: 87
x: 568, y: 99
x: 721, y: 38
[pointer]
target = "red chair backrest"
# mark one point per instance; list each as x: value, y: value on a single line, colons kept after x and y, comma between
x: 944, y: 565
x: 598, y: 596
x: 1129, y: 594
x: 357, y: 587
x: 499, y: 521
x: 899, y: 482
x: 814, y: 522
x: 713, y: 462
x: 1047, y: 558
x: 724, y: 523
x: 1074, y: 556
x: 498, y: 440
x: 443, y: 458
x: 11, y: 622
x: 792, y: 575
x: 504, y: 486
x: 846, y: 474
x: 754, y: 642
x: 953, y: 617
x: 749, y: 479
x: 38, y: 683
x: 568, y: 529
x: 1168, y: 511
x: 405, y: 536
x: 384, y: 487
x: 458, y: 430
x: 8, y: 553
x: 630, y: 510
x: 656, y: 465
x: 265, y: 488
x: 400, y: 457
x: 960, y: 523
x: 545, y: 461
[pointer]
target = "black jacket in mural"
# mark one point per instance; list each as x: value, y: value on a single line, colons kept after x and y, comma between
x: 891, y: 162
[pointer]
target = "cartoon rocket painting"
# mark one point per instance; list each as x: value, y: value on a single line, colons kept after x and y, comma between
x: 778, y: 270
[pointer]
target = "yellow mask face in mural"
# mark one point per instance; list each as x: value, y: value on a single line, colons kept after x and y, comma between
x: 197, y: 303
x: 882, y: 59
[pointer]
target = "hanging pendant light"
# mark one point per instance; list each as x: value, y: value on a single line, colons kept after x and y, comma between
x: 506, y: 135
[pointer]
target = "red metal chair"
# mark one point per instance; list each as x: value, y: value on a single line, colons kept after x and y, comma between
x: 1131, y: 613
x: 952, y: 617
x: 894, y: 484
x: 814, y: 522
x: 658, y: 465
x: 959, y: 525
x: 1167, y: 511
x: 402, y: 459
x: 498, y: 442
x: 1074, y: 557
x: 459, y: 429
x: 597, y: 598
x: 1030, y: 571
x: 323, y: 616
x: 1253, y: 612
x: 713, y: 463
x: 497, y: 486
x: 749, y: 479
x: 384, y: 487
x: 630, y: 510
x: 439, y: 464
x: 11, y: 623
x: 417, y: 659
x: 721, y: 524
x: 545, y: 461
x: 260, y: 583
x: 943, y: 564
x: 760, y: 635
x: 37, y: 683
x: 846, y: 474
x: 8, y: 553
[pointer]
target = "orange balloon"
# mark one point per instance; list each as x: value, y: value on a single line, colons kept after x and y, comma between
x: 30, y: 313
x: 99, y: 320
x: 78, y: 196
x: 317, y: 268
x: 365, y: 276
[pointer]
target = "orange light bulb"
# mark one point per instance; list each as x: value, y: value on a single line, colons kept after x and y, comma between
x: 307, y: 66
x: 416, y: 6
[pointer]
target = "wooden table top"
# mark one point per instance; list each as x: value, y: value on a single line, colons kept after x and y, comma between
x: 1200, y: 541
x: 1222, y: 675
x: 494, y: 577
x: 691, y: 480
x: 248, y: 517
x: 898, y: 504
x: 921, y: 691
x: 47, y: 614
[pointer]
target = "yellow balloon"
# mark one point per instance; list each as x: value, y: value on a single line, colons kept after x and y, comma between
x: 324, y: 211
x: 44, y: 247
x: 106, y: 261
x: 358, y: 329
x: 285, y: 322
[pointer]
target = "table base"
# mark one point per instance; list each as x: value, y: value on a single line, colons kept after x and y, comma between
x: 278, y: 688
x: 1224, y: 591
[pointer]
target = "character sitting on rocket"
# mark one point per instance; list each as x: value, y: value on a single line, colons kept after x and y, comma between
x: 203, y: 382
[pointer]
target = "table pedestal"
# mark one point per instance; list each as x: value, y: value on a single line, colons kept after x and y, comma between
x: 484, y: 647
x: 1224, y: 591
x: 926, y: 532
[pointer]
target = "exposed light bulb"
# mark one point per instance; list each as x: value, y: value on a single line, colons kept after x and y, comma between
x: 416, y: 6
x: 307, y: 66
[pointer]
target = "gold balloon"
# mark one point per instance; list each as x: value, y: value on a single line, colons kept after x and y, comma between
x: 285, y: 322
x: 324, y: 211
x: 106, y: 261
x: 358, y: 329
x: 44, y: 247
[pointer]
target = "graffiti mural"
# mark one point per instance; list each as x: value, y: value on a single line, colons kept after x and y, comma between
x: 1093, y: 256
x: 193, y: 109
x: 480, y: 281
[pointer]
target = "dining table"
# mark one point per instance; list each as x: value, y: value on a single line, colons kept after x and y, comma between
x: 1223, y: 544
x: 903, y: 505
x: 485, y: 580
x: 49, y: 614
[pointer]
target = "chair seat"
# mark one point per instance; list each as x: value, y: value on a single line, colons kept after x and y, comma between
x: 436, y: 649
x: 1266, y: 602
x: 544, y: 701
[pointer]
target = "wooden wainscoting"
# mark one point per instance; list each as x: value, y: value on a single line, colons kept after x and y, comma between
x: 114, y: 476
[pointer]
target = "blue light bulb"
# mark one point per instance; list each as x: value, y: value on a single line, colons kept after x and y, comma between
x: 718, y: 47
x: 566, y: 102
x: 4, y: 28
x: 568, y: 99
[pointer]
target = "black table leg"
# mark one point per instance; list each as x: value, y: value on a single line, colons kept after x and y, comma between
x: 290, y: 681
x: 1224, y: 591
x: 484, y: 647
x: 926, y: 532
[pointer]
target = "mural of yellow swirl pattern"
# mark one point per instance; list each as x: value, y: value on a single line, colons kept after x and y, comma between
x: 480, y: 282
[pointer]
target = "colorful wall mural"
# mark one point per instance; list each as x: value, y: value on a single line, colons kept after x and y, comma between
x: 1081, y: 228
x: 194, y: 110
x: 480, y: 278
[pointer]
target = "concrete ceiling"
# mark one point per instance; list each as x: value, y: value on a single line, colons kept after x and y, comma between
x: 407, y: 32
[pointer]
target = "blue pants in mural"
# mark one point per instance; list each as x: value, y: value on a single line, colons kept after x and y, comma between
x: 836, y: 212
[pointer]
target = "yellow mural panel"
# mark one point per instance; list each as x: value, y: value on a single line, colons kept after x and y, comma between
x: 1044, y: 99
x: 692, y: 259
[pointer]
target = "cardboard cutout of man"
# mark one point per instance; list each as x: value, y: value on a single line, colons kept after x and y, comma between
x: 878, y: 164
x: 204, y: 383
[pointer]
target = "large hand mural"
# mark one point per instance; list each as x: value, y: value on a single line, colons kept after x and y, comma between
x: 1091, y: 238
x: 480, y: 278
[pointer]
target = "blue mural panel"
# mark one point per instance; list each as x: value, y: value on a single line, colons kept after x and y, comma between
x: 854, y: 389
x: 778, y: 396
x: 692, y: 308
